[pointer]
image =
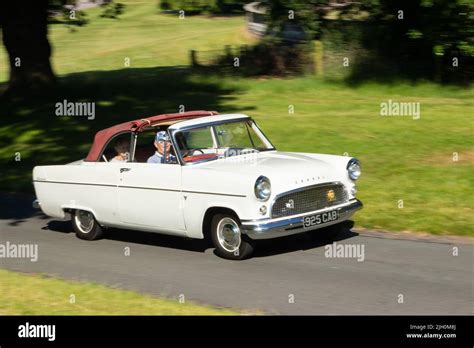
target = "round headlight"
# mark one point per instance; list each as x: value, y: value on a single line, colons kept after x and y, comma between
x: 353, y: 169
x: 263, y: 189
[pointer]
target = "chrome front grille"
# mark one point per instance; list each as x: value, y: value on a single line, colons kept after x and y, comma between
x: 309, y: 199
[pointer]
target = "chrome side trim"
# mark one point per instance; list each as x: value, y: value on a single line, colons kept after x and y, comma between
x: 216, y: 193
x: 270, y: 228
x: 74, y: 183
x: 142, y: 188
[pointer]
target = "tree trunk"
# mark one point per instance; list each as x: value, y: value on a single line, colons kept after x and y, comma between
x: 25, y: 36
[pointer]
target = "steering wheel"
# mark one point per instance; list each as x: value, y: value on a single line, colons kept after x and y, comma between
x: 190, y: 152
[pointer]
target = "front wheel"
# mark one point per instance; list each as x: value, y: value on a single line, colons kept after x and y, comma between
x: 227, y: 238
x: 86, y: 226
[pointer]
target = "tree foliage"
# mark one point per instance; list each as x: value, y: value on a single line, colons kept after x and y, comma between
x: 303, y: 14
x: 421, y: 38
x: 446, y: 25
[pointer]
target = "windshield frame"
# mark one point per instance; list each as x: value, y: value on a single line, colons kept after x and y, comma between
x: 257, y: 129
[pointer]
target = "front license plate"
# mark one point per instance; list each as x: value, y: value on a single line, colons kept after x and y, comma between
x: 318, y: 219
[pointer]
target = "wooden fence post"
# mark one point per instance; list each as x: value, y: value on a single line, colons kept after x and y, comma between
x: 319, y: 58
x: 193, y: 57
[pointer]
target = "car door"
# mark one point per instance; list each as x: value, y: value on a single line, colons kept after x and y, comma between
x: 149, y: 195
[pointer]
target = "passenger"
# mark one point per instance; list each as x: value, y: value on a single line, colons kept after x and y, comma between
x: 163, y: 149
x: 122, y: 147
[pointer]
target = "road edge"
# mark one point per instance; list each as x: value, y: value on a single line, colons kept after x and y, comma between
x: 414, y: 236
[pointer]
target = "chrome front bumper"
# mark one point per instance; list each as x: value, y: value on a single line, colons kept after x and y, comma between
x: 273, y: 228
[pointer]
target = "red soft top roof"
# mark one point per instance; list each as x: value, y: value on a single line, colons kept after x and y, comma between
x: 102, y: 137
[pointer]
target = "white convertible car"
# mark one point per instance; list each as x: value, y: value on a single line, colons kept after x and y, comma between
x: 221, y: 179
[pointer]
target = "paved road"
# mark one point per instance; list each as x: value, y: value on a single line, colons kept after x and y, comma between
x: 430, y: 278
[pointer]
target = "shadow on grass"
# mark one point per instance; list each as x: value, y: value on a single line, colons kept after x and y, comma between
x: 31, y: 134
x: 373, y: 71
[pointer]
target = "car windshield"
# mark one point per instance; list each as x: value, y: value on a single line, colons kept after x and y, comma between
x: 221, y: 140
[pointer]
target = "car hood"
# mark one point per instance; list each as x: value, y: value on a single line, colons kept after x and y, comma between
x: 284, y: 169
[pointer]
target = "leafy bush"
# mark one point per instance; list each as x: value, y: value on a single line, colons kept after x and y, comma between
x: 269, y: 57
x: 204, y: 6
x: 112, y: 10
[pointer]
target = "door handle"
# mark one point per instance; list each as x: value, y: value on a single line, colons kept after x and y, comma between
x: 125, y: 170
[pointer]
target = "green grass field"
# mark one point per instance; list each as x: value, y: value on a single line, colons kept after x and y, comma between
x: 403, y: 159
x: 36, y: 294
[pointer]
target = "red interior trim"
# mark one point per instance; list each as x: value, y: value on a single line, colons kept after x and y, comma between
x: 199, y: 157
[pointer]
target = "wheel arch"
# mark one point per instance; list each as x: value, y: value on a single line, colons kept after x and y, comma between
x: 67, y: 209
x: 210, y: 212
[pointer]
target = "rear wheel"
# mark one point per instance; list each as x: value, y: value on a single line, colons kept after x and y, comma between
x: 86, y: 226
x: 227, y: 238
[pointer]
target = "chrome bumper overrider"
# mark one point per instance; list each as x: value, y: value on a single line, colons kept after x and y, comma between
x: 272, y: 228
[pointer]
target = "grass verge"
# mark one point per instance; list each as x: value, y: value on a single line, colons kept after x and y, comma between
x: 36, y: 294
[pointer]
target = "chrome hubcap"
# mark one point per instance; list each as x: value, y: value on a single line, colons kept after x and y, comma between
x: 84, y: 221
x: 228, y: 234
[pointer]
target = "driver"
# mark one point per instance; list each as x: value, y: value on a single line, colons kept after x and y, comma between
x: 121, y: 147
x: 163, y: 149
